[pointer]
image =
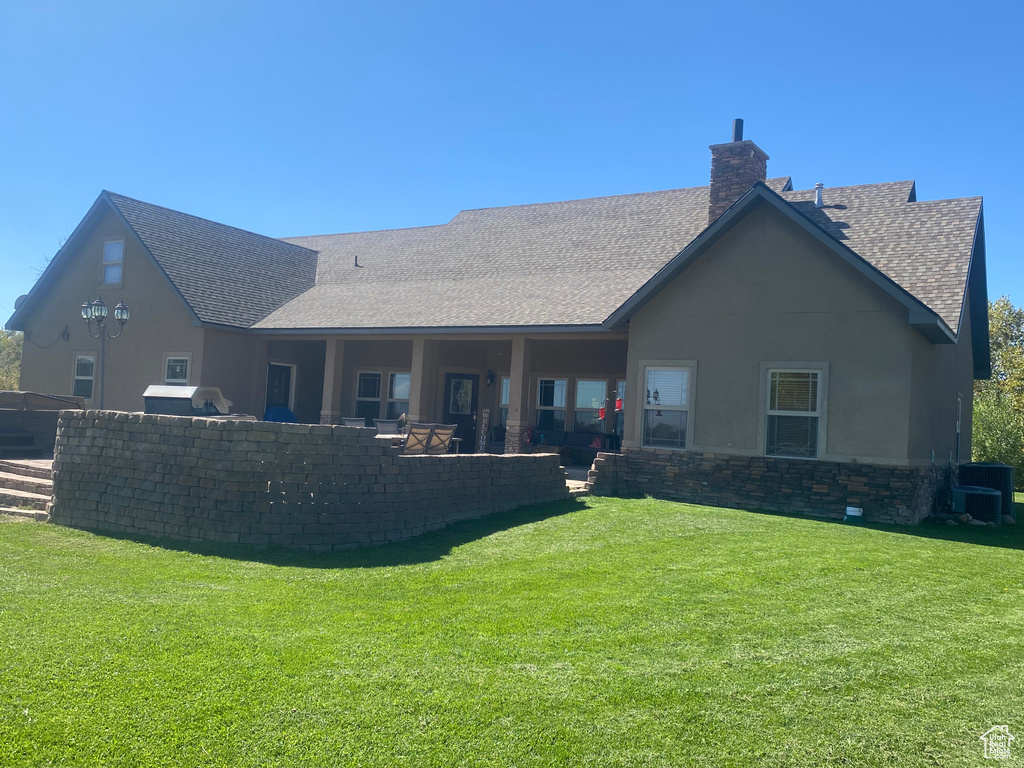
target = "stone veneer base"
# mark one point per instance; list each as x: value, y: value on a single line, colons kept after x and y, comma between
x: 887, y: 494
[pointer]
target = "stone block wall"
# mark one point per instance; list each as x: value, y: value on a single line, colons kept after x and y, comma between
x: 887, y: 494
x: 315, y: 487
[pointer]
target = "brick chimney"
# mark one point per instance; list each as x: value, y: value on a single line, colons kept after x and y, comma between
x: 735, y: 168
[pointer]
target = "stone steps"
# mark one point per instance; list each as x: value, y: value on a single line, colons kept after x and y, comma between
x: 11, y: 481
x: 28, y: 514
x: 23, y: 499
x: 29, y: 468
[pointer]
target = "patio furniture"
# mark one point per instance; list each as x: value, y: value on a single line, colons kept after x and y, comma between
x: 417, y: 439
x: 347, y: 421
x: 386, y: 426
x: 440, y: 439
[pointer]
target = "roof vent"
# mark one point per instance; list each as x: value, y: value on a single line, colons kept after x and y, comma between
x: 817, y: 195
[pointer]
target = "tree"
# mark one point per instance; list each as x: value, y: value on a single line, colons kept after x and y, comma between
x: 998, y: 432
x: 10, y: 359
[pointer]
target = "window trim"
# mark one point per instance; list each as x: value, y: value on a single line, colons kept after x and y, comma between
x: 381, y: 392
x: 75, y: 377
x: 793, y: 366
x: 576, y: 409
x: 187, y: 357
x: 104, y: 264
x: 386, y: 394
x: 538, y: 407
x: 641, y: 401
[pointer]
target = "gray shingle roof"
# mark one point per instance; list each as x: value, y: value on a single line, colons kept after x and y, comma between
x: 576, y: 262
x: 925, y: 247
x: 226, y: 275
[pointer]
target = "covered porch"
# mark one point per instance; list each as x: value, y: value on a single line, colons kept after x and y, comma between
x: 507, y: 393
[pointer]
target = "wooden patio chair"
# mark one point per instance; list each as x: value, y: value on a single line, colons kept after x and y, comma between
x: 417, y: 439
x: 441, y: 439
x: 353, y: 421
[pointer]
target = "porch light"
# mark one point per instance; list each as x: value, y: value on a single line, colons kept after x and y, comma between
x: 96, y: 312
x: 99, y: 310
x: 489, y: 378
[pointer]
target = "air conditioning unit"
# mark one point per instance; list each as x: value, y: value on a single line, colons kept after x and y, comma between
x: 980, y: 503
x: 999, y: 477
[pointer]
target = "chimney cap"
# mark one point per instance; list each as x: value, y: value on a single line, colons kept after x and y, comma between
x: 737, y: 129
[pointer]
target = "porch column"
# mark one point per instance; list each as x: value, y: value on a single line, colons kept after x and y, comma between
x: 417, y: 380
x: 334, y: 362
x: 518, y: 397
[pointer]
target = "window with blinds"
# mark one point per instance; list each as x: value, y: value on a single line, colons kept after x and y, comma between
x: 793, y: 413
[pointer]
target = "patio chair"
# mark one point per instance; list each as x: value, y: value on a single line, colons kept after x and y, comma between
x: 386, y: 426
x: 440, y: 440
x: 417, y: 439
x: 352, y: 421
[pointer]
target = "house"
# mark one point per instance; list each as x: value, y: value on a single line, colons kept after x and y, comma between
x: 746, y: 325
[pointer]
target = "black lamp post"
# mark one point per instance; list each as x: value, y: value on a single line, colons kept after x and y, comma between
x: 96, y: 312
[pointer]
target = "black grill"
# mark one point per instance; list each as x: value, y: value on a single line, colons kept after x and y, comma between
x: 980, y: 503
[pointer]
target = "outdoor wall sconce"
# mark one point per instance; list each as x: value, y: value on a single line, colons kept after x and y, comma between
x: 489, y: 378
x: 96, y: 312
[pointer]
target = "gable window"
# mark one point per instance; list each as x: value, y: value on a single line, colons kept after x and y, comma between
x: 551, y: 403
x: 85, y: 373
x: 590, y: 396
x: 666, y: 406
x: 793, y: 412
x: 398, y: 394
x: 368, y: 396
x: 176, y: 369
x: 113, y: 261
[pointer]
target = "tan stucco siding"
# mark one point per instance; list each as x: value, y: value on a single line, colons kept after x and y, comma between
x: 768, y: 292
x: 237, y: 363
x: 160, y: 324
x: 941, y: 372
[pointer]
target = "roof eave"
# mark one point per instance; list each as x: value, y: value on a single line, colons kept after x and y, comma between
x: 925, y: 319
x: 412, y: 330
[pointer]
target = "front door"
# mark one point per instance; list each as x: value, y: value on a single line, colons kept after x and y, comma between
x: 460, y: 401
x: 279, y: 386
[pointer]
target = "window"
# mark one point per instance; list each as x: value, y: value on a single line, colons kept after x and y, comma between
x: 113, y: 261
x: 85, y: 372
x: 666, y: 407
x: 368, y: 396
x: 506, y: 388
x: 590, y: 395
x: 176, y: 370
x: 793, y: 413
x: 551, y: 404
x: 398, y: 394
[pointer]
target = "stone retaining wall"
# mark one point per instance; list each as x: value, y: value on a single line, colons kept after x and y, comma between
x: 305, y: 486
x: 820, y: 488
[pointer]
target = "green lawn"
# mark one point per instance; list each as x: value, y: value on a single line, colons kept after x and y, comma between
x: 605, y: 633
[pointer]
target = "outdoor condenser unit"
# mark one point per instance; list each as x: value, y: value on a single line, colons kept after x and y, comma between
x: 980, y: 503
x: 998, y: 477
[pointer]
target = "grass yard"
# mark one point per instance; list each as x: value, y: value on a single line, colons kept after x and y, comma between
x: 605, y: 633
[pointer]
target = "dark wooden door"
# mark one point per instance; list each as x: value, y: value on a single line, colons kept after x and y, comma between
x: 461, y: 393
x: 279, y: 386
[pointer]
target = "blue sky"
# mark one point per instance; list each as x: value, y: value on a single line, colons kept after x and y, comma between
x: 305, y: 118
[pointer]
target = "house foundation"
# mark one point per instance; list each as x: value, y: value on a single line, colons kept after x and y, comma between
x: 887, y: 494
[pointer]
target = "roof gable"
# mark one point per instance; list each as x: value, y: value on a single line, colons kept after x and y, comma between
x: 919, y: 314
x: 226, y: 275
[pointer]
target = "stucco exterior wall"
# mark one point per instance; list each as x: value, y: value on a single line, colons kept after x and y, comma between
x: 768, y: 292
x: 237, y: 363
x: 160, y: 324
x: 941, y: 372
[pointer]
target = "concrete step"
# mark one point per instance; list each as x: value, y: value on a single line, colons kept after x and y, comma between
x: 41, y: 468
x: 28, y: 514
x: 18, y: 499
x: 13, y: 482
